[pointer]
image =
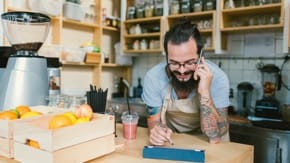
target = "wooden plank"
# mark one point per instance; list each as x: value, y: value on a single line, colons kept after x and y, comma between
x: 55, y: 139
x: 6, y: 147
x: 77, y: 153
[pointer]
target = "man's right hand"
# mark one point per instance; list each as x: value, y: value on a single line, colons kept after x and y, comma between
x: 159, y: 134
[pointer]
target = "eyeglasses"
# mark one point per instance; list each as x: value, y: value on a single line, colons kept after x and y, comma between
x: 187, y: 65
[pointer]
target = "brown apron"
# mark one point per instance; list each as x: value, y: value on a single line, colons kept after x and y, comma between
x: 181, y: 115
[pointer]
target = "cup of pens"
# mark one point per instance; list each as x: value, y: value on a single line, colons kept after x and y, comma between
x: 97, y: 99
x: 130, y: 122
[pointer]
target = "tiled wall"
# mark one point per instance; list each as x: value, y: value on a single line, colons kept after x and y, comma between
x: 241, y: 68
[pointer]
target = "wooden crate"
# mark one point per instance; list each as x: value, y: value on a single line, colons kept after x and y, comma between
x: 6, y: 147
x: 7, y: 129
x: 77, y: 153
x: 93, y: 58
x: 91, y: 139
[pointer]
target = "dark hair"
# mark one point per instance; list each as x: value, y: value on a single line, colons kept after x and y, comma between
x: 182, y: 32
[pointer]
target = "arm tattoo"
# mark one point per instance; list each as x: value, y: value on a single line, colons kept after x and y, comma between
x: 214, y: 122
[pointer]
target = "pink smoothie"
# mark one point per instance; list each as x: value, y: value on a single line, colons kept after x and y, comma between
x: 129, y: 130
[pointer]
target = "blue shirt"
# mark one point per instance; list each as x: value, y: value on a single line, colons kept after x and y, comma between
x: 156, y: 82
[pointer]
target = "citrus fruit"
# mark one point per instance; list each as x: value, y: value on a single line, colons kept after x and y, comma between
x: 22, y: 109
x: 81, y: 120
x: 58, y: 121
x: 71, y: 116
x: 30, y: 114
x: 84, y: 111
x: 8, y: 115
x: 16, y: 112
x: 33, y: 143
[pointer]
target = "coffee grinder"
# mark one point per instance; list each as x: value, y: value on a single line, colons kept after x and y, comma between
x: 269, y: 106
x: 25, y: 79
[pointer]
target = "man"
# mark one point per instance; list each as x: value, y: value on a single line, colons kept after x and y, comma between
x: 182, y: 95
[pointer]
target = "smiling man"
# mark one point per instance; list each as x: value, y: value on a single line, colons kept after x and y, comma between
x: 183, y: 94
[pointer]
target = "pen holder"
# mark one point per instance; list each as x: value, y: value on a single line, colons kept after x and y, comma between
x: 97, y: 99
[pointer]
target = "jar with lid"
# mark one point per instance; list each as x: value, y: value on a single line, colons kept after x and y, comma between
x: 209, y: 5
x: 149, y: 8
x: 136, y: 45
x: 185, y: 6
x: 131, y: 11
x: 158, y: 8
x: 143, y: 44
x: 174, y: 8
x: 197, y: 5
x: 138, y: 29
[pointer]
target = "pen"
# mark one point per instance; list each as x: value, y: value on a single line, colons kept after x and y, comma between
x: 163, y: 126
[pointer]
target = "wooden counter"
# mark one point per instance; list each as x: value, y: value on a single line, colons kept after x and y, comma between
x: 130, y: 151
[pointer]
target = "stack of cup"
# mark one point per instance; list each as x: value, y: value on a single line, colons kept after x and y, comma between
x: 130, y: 122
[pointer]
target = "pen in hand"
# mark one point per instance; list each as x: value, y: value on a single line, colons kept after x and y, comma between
x: 164, y: 127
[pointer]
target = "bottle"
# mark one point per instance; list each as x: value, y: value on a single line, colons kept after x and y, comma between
x: 138, y: 89
x: 121, y: 88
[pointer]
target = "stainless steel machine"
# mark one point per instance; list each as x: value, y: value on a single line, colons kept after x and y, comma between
x: 25, y: 79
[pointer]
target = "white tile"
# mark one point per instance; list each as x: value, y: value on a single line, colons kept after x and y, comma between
x: 236, y: 64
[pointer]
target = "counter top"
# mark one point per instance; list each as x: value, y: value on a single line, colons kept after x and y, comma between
x: 130, y: 151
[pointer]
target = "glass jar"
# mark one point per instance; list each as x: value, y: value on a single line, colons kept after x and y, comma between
x: 174, y: 9
x: 158, y: 8
x: 185, y: 6
x: 140, y: 12
x: 131, y: 12
x: 143, y: 44
x: 197, y: 6
x: 209, y: 5
x: 149, y: 10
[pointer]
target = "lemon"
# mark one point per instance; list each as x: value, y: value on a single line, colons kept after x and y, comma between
x: 71, y: 116
x: 30, y: 114
x: 82, y: 120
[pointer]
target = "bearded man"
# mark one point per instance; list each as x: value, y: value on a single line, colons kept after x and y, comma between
x: 186, y: 93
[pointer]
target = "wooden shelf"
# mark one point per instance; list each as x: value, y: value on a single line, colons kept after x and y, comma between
x: 114, y: 65
x: 78, y: 64
x: 155, y: 34
x: 111, y: 29
x: 250, y: 19
x: 78, y: 23
x: 144, y: 51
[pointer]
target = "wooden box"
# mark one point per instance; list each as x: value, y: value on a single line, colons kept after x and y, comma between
x: 7, y: 129
x: 76, y: 143
x: 93, y: 58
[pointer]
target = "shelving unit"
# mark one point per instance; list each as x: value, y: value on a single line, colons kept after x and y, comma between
x: 199, y: 18
x: 149, y: 35
x: 247, y: 19
x: 66, y: 32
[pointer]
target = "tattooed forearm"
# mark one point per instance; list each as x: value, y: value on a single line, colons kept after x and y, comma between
x: 214, y: 124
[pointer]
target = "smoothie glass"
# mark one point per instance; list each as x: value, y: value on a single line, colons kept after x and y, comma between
x: 130, y: 122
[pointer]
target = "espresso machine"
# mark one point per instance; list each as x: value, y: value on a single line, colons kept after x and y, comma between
x: 269, y: 106
x: 25, y: 79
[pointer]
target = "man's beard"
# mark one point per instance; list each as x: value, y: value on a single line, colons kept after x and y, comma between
x: 186, y: 86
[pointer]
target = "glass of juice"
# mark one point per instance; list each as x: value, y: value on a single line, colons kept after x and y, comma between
x: 130, y: 122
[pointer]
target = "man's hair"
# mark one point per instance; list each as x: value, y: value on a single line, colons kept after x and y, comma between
x: 182, y: 32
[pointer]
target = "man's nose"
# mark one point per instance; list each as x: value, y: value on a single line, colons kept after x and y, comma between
x: 182, y: 69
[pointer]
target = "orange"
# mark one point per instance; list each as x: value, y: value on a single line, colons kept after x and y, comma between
x: 33, y: 143
x: 30, y: 114
x: 58, y: 121
x: 8, y: 115
x: 22, y: 109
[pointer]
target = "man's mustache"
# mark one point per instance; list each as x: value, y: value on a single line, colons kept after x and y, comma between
x: 185, y: 73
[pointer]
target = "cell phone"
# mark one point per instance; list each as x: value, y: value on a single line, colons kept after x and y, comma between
x: 200, y: 56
